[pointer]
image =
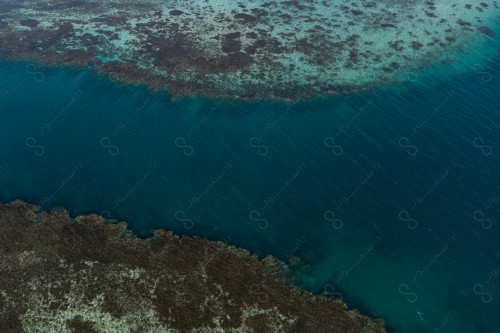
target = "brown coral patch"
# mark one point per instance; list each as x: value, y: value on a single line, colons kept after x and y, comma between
x: 90, y: 273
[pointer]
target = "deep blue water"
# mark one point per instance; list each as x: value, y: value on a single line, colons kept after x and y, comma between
x: 391, y: 196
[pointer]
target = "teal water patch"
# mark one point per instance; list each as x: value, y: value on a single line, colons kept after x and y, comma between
x: 473, y: 55
x: 390, y: 196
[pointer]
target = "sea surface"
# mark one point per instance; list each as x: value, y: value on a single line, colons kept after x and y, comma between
x: 390, y: 196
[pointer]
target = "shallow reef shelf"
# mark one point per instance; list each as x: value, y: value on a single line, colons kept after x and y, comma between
x: 53, y: 281
x: 247, y: 48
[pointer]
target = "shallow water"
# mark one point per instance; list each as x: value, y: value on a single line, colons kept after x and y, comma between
x: 391, y: 196
x: 260, y: 48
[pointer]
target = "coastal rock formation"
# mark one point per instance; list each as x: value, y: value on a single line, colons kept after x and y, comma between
x: 84, y: 274
x: 246, y: 49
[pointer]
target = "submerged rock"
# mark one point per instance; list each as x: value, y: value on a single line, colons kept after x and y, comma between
x: 83, y: 274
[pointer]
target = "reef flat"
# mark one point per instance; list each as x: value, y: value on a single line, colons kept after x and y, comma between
x: 245, y: 49
x: 63, y: 274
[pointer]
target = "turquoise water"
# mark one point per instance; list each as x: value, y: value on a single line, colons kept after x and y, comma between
x: 391, y: 196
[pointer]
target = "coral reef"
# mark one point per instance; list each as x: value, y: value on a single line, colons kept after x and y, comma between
x: 84, y: 274
x: 245, y: 49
